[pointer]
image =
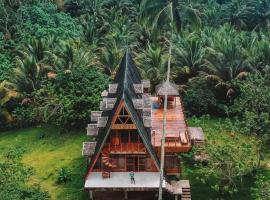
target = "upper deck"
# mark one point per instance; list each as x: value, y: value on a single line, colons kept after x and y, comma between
x: 177, y: 135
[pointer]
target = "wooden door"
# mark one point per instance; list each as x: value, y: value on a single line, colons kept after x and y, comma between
x: 132, y: 163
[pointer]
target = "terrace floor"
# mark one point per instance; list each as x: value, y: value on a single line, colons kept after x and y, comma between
x: 176, y: 126
x: 144, y: 180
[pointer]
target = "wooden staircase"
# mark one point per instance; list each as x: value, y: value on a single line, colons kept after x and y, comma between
x: 107, y: 161
x: 186, y: 195
x: 181, y: 187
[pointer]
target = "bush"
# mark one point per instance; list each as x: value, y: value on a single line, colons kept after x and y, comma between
x: 63, y: 176
x: 66, y: 101
x: 199, y: 98
x: 252, y: 105
x: 261, y: 188
x: 5, y: 66
x: 43, y: 19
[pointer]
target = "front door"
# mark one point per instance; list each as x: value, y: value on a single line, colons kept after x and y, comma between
x: 132, y: 163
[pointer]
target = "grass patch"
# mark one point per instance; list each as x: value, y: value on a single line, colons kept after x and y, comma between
x: 47, y: 151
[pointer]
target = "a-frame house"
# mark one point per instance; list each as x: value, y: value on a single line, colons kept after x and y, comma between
x: 127, y: 134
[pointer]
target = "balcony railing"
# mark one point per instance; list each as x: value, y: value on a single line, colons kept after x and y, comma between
x: 126, y: 148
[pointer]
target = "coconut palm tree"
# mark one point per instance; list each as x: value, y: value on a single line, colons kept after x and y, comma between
x: 71, y: 54
x: 109, y: 56
x: 190, y: 55
x: 27, y: 75
x: 227, y: 61
x: 261, y: 13
x: 146, y: 33
x: 257, y: 51
x: 152, y: 64
x: 39, y: 49
x: 158, y: 11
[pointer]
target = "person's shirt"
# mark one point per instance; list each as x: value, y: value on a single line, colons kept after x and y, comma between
x: 131, y: 174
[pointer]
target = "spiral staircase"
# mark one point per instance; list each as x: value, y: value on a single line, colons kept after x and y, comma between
x: 108, y: 164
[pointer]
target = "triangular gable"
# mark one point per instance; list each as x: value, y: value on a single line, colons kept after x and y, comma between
x: 126, y: 76
x: 137, y: 125
x: 122, y: 118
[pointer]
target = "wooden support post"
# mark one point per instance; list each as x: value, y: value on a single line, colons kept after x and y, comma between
x: 91, y: 196
x: 126, y: 194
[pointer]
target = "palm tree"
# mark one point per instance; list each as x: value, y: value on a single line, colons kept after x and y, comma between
x: 70, y: 55
x: 109, y: 57
x: 152, y: 64
x: 146, y: 33
x: 39, y: 50
x: 227, y: 61
x: 158, y: 11
x: 27, y: 75
x: 261, y: 13
x: 190, y: 55
x: 257, y: 52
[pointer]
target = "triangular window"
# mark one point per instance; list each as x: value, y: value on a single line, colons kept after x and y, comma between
x: 122, y: 119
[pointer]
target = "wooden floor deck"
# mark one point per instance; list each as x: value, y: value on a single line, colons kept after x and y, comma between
x: 176, y: 128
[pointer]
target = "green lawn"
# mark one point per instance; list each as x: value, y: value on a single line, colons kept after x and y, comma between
x: 46, y: 151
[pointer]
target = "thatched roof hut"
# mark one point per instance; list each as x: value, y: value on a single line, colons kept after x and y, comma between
x: 167, y: 87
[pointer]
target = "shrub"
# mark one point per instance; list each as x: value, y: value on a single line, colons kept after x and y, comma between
x: 63, y: 176
x: 5, y: 66
x: 14, y: 153
x: 199, y: 98
x: 252, y: 105
x: 66, y: 101
x: 43, y: 19
x: 261, y: 188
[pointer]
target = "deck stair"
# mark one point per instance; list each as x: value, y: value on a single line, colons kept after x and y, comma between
x: 186, y: 195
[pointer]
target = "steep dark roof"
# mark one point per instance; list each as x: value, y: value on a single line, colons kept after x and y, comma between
x: 126, y: 76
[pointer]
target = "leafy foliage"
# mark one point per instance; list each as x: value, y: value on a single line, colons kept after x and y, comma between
x: 252, y: 105
x: 42, y: 19
x: 66, y: 101
x: 13, y: 175
x: 199, y: 98
x: 261, y: 189
x: 223, y: 169
x: 63, y: 176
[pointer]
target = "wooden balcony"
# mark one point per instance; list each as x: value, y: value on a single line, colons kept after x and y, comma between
x: 126, y: 148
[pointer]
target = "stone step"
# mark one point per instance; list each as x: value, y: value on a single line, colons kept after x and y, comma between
x: 186, y: 195
x: 186, y: 189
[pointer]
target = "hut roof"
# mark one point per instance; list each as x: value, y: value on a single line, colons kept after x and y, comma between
x: 167, y: 87
x: 126, y: 76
